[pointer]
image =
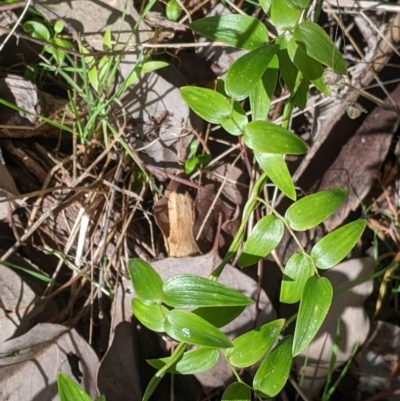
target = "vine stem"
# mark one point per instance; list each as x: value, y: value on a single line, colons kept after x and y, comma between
x: 248, y: 209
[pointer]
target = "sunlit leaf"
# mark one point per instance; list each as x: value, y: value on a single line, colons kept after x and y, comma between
x: 151, y: 316
x: 219, y: 316
x: 59, y: 55
x: 107, y: 45
x: 246, y: 71
x: 68, y: 390
x: 300, y: 4
x: 271, y: 376
x: 297, y: 271
x: 276, y: 168
x: 244, y: 353
x: 191, y: 363
x: 264, y: 238
x: 93, y: 77
x: 266, y: 137
x: 313, y: 209
x: 237, y: 392
x: 283, y: 16
x: 58, y: 27
x: 236, y: 30
x: 187, y: 291
x: 192, y: 329
x: 314, y: 306
x: 265, y: 5
x: 172, y: 10
x: 208, y: 104
x: 150, y: 66
x: 334, y: 247
x: 309, y: 67
x: 146, y: 282
x: 37, y: 30
x: 319, y: 46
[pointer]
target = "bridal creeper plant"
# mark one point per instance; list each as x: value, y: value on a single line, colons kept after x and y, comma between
x: 192, y: 309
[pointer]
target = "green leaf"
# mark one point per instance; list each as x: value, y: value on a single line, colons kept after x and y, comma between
x: 266, y: 235
x: 287, y: 69
x: 244, y: 353
x: 319, y: 46
x: 191, y: 363
x: 194, y: 145
x: 151, y: 387
x: 261, y: 96
x: 334, y: 247
x: 58, y: 27
x: 299, y: 4
x: 150, y: 66
x: 94, y: 78
x: 37, y: 30
x: 283, y: 16
x: 266, y: 137
x: 59, y: 55
x: 63, y: 43
x: 203, y: 159
x: 190, y: 165
x: 68, y: 390
x: 188, y: 291
x: 265, y: 5
x: 146, y: 282
x: 246, y: 71
x: 278, y: 172
x: 314, y: 306
x: 151, y: 316
x: 208, y: 104
x: 235, y: 30
x: 172, y: 10
x: 219, y: 316
x: 271, y: 376
x: 235, y: 123
x: 237, y: 392
x: 107, y: 45
x: 297, y: 271
x: 312, y: 210
x: 186, y: 327
x: 309, y: 67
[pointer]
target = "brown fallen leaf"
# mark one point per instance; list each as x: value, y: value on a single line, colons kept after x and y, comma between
x: 118, y: 377
x: 39, y: 355
x: 25, y: 94
x: 8, y: 189
x: 360, y: 160
x: 347, y: 309
x: 17, y: 304
x: 379, y: 365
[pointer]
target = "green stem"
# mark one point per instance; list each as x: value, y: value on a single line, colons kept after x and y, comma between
x: 155, y: 380
x: 318, y: 10
x: 248, y: 209
x: 288, y: 109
